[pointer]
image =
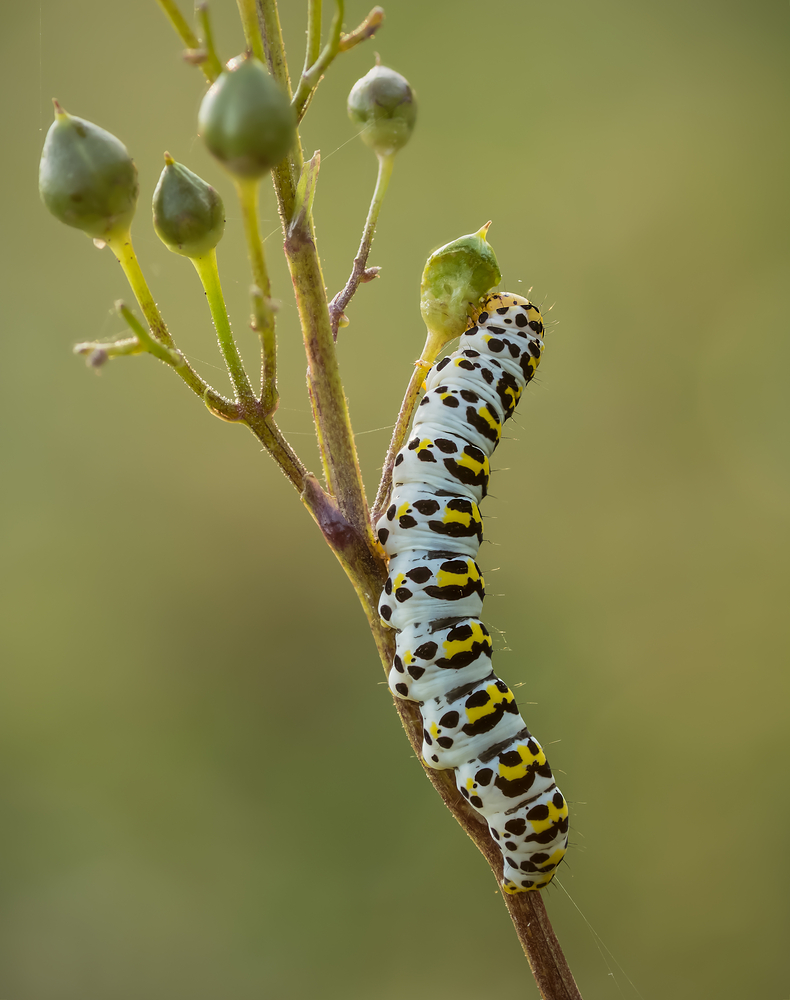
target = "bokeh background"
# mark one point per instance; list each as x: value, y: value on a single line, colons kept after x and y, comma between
x: 206, y: 792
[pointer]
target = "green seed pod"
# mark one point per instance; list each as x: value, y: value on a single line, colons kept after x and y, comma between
x: 86, y: 177
x: 455, y: 278
x: 383, y: 104
x: 246, y: 119
x: 189, y: 217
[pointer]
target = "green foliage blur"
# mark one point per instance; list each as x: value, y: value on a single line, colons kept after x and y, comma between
x: 206, y: 792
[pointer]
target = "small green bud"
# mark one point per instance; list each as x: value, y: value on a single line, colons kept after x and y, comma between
x: 455, y: 278
x: 86, y: 177
x: 383, y: 104
x: 189, y: 217
x: 246, y: 119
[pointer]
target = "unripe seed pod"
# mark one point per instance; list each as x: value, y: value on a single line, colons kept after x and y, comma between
x: 383, y: 104
x: 189, y: 217
x: 86, y: 177
x: 455, y: 278
x: 246, y: 119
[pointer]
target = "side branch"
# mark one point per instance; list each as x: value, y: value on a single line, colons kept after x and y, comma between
x: 317, y: 64
x: 360, y: 271
x: 200, y: 55
x: 398, y: 437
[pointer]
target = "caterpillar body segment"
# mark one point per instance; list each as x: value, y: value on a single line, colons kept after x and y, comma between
x: 484, y: 375
x: 444, y: 462
x: 426, y: 520
x: 420, y: 584
x: 431, y: 532
x: 434, y: 658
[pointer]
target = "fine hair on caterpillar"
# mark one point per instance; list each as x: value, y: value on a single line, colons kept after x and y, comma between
x: 432, y: 531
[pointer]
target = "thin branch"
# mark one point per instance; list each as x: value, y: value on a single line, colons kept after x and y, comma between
x: 360, y: 271
x: 145, y: 340
x: 269, y: 434
x: 252, y: 28
x: 121, y: 246
x: 313, y: 33
x: 398, y: 437
x: 312, y: 75
x: 366, y: 30
x: 195, y: 53
x: 180, y: 24
x: 99, y: 352
x: 262, y: 321
x: 208, y: 273
x: 248, y: 190
x: 317, y: 64
x: 213, y: 64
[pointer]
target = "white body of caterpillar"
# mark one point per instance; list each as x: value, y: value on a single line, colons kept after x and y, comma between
x: 431, y: 532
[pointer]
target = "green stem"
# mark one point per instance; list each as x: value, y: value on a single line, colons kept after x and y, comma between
x: 367, y: 29
x: 247, y: 191
x: 262, y: 426
x: 317, y: 63
x: 398, y: 438
x: 121, y: 245
x: 270, y: 436
x: 98, y: 352
x: 313, y: 33
x: 263, y: 324
x: 188, y: 36
x: 430, y: 351
x: 358, y: 272
x: 180, y: 24
x: 208, y: 273
x: 312, y: 74
x: 213, y: 65
x: 252, y: 29
x: 269, y: 20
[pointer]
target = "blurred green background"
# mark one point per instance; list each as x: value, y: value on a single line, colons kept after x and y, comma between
x: 206, y: 790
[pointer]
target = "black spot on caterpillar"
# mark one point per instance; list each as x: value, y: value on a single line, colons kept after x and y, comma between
x: 431, y: 532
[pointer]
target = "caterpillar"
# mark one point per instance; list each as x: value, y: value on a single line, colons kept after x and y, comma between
x: 431, y: 532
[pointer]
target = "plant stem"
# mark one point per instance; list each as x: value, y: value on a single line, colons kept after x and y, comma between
x: 213, y: 64
x: 398, y: 438
x: 312, y: 74
x: 317, y: 63
x: 252, y: 30
x: 208, y: 273
x: 211, y: 70
x: 99, y: 352
x: 121, y: 245
x: 262, y: 322
x: 313, y: 33
x: 358, y: 272
x: 247, y: 190
x: 144, y: 338
x: 367, y: 29
x: 330, y: 410
x: 180, y: 24
x: 270, y: 436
